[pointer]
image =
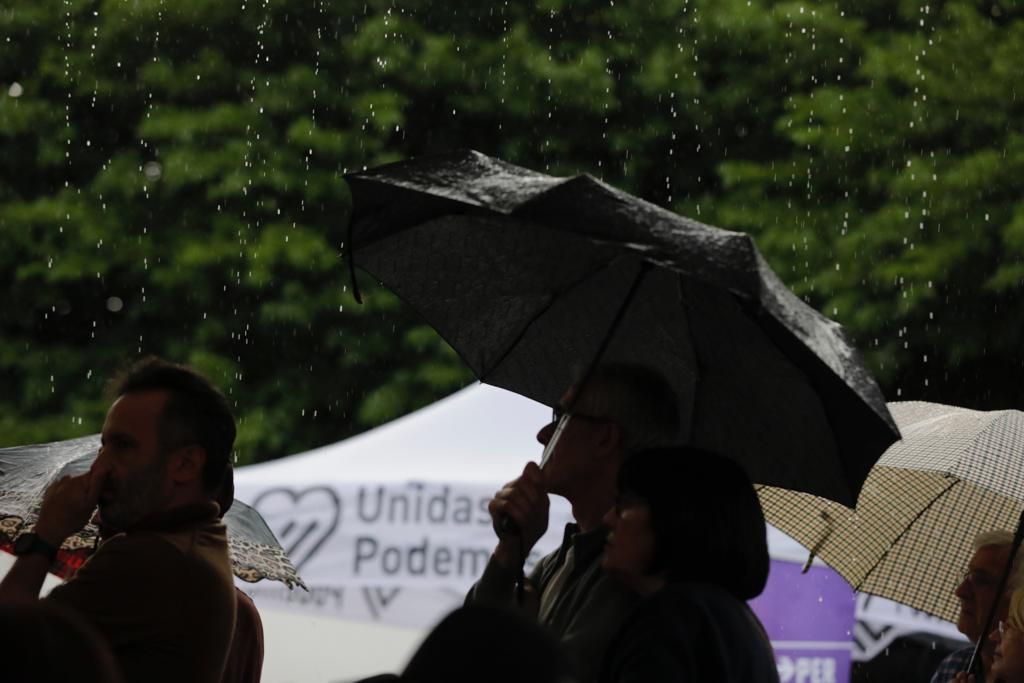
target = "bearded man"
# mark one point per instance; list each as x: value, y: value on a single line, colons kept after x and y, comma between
x: 161, y: 590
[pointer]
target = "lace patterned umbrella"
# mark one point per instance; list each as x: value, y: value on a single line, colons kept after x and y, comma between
x: 27, y: 471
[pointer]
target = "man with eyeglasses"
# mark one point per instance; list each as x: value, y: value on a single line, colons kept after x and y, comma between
x: 977, y: 593
x: 618, y: 409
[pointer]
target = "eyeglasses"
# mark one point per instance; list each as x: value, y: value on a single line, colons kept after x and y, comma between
x: 979, y: 579
x: 558, y: 411
x: 1006, y: 626
x: 627, y: 500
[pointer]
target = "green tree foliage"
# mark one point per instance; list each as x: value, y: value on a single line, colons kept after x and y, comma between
x: 177, y: 189
x: 172, y: 183
x: 895, y: 204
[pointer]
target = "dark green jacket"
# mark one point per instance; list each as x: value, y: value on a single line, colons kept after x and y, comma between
x: 586, y: 614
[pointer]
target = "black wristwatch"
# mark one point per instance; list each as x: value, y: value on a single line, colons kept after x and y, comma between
x: 30, y: 543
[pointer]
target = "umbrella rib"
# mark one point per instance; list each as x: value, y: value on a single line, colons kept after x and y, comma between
x: 684, y: 310
x: 644, y: 267
x: 906, y: 529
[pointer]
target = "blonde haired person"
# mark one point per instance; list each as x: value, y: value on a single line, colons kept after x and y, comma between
x: 977, y: 594
x: 1008, y: 641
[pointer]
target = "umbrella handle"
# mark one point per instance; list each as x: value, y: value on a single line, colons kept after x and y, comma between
x: 549, y: 447
x: 829, y: 528
x: 505, y: 523
x: 976, y: 664
x: 510, y: 527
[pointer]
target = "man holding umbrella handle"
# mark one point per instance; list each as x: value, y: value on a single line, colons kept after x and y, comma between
x: 505, y: 526
x: 507, y: 529
x: 618, y: 408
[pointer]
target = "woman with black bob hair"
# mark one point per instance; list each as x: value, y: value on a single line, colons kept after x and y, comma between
x: 688, y: 536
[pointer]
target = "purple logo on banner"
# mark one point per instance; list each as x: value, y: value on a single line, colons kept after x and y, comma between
x: 809, y: 618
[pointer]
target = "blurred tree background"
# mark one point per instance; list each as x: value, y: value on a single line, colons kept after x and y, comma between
x: 172, y: 180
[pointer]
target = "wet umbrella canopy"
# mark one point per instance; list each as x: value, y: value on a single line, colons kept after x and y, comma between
x: 27, y: 471
x: 524, y: 275
x: 956, y: 474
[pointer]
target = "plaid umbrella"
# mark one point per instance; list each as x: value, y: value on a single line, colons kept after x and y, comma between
x: 956, y: 473
x: 27, y: 471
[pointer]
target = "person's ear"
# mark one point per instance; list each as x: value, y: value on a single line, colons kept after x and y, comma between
x: 611, y: 517
x: 611, y: 438
x: 187, y: 464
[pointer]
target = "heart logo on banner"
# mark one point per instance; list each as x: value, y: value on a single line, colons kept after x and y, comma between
x: 302, y: 520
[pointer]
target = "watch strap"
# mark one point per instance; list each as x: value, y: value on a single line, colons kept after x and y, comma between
x: 32, y: 544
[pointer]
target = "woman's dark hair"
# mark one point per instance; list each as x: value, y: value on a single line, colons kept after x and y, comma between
x: 705, y: 516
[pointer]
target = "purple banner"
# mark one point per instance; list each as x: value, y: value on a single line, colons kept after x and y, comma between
x: 809, y: 618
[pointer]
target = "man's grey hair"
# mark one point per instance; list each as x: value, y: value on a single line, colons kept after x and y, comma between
x: 637, y: 399
x: 1003, y: 539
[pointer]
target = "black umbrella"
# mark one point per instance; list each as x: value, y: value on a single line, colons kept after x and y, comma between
x: 527, y: 276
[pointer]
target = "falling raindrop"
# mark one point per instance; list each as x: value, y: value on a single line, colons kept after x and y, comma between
x: 152, y: 170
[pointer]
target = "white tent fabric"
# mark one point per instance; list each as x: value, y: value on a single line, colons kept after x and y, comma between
x: 51, y: 580
x: 480, y: 434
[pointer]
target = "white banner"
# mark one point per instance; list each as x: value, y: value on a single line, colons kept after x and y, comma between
x: 881, y: 621
x: 401, y: 553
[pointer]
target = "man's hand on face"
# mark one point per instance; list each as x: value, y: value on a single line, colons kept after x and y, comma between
x: 524, y: 501
x: 68, y: 505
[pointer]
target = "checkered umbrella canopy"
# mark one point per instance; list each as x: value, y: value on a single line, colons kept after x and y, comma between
x: 956, y: 473
x: 27, y: 471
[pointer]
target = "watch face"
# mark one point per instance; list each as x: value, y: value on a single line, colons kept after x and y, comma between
x: 30, y: 543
